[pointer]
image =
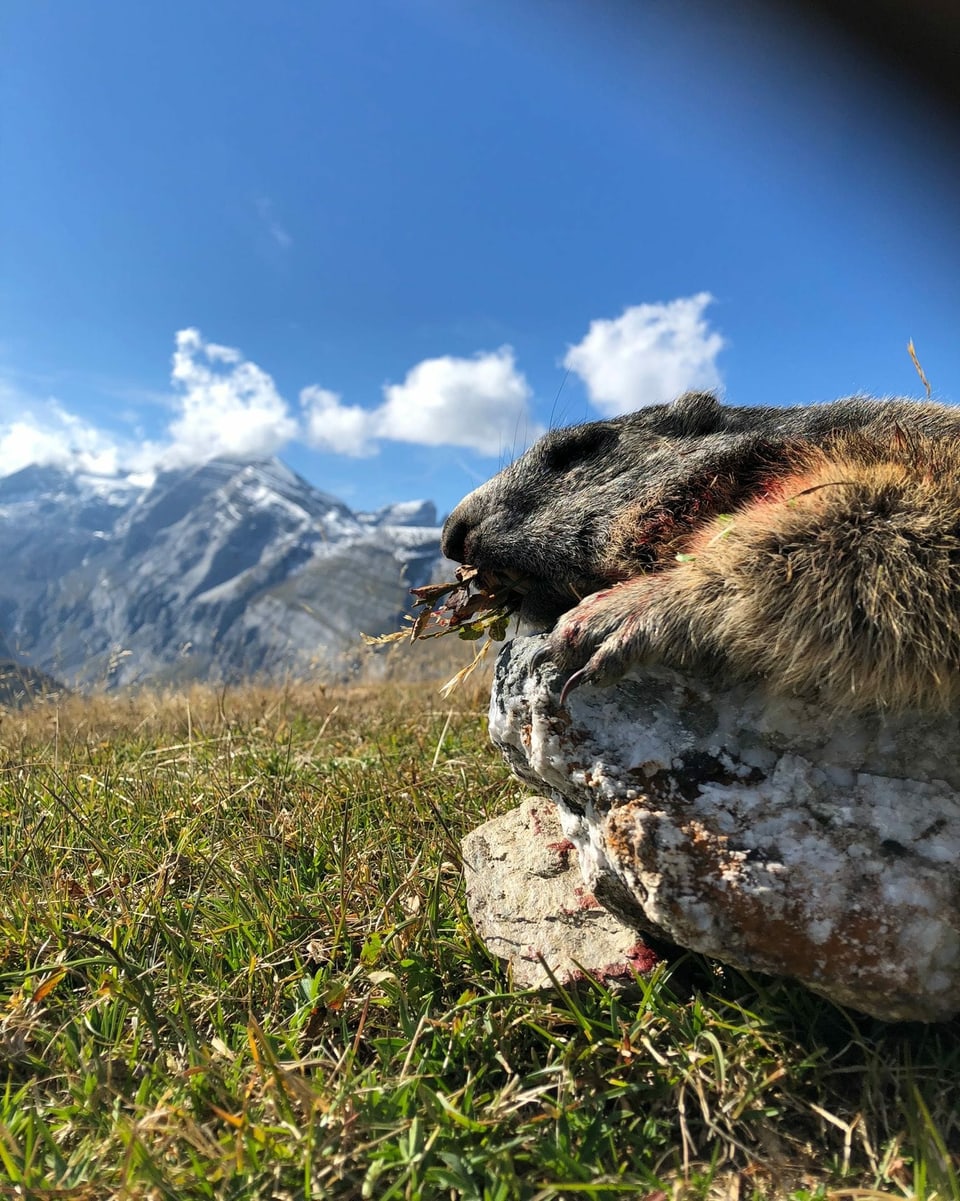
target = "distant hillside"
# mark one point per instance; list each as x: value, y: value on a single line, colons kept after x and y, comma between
x: 215, y: 572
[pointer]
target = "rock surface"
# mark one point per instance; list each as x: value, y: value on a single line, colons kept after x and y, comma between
x: 763, y: 832
x: 530, y: 906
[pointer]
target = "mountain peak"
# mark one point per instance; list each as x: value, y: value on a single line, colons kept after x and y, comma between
x: 403, y: 513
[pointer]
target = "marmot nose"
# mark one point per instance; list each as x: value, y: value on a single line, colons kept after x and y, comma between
x: 454, y: 536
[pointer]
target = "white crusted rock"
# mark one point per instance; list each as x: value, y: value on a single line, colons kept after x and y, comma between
x: 528, y: 901
x: 763, y: 832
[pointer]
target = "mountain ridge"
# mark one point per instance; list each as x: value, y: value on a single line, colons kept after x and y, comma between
x: 218, y: 571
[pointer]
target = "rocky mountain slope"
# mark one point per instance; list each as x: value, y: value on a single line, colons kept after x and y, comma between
x: 213, y: 572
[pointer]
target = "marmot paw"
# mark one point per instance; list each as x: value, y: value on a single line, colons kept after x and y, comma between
x: 603, y: 637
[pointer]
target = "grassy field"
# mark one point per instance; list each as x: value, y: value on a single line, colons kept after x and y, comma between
x: 235, y: 961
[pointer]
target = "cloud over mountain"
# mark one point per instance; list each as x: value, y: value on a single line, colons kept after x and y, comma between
x: 43, y: 432
x: 227, y: 405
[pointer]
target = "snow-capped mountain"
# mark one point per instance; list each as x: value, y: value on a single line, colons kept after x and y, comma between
x: 212, y: 572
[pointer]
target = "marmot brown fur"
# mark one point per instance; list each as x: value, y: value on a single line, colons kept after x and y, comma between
x: 816, y: 548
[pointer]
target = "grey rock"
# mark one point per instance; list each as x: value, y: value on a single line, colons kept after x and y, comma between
x: 529, y: 904
x: 763, y: 832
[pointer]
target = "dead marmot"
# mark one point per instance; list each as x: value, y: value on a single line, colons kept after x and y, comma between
x: 816, y: 548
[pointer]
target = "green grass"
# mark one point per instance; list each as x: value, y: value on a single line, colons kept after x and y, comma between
x: 235, y: 961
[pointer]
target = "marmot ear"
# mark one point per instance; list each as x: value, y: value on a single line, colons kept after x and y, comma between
x: 696, y: 413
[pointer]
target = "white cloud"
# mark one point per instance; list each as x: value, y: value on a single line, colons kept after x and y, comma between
x: 480, y: 403
x: 332, y: 426
x: 228, y: 405
x: 224, y: 405
x: 48, y: 436
x: 648, y: 355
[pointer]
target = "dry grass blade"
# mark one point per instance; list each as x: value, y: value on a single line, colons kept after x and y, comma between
x: 911, y: 350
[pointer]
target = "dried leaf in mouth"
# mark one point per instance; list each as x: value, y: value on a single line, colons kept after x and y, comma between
x: 475, y: 603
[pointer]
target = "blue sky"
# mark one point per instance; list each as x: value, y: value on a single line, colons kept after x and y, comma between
x: 390, y: 240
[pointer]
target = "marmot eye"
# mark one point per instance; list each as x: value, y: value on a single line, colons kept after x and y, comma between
x: 576, y: 447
